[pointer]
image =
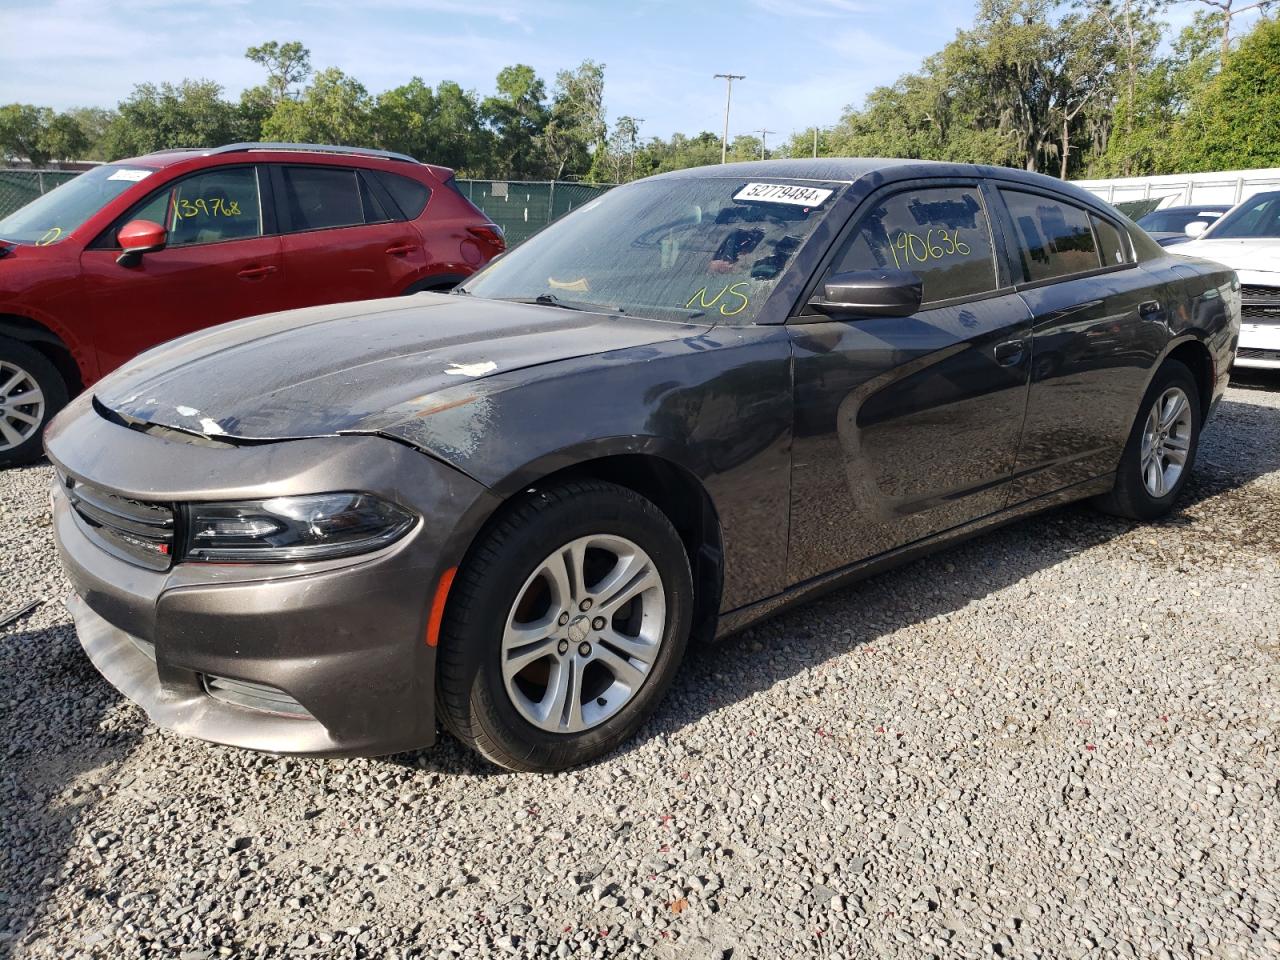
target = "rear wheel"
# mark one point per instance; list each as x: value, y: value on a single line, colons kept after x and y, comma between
x: 31, y: 392
x: 564, y: 627
x: 1161, y: 450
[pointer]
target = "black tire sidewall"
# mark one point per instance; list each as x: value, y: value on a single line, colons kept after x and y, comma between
x: 1140, y: 501
x: 623, y: 514
x: 51, y: 385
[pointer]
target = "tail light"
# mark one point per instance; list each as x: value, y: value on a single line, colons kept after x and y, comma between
x: 491, y: 234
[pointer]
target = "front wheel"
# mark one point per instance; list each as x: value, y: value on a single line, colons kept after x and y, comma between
x: 31, y: 392
x: 564, y: 627
x: 1161, y: 450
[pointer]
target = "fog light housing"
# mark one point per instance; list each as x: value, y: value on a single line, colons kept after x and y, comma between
x: 309, y: 527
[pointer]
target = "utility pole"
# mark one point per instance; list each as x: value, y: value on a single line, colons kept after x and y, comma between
x: 815, y: 143
x: 728, y: 79
x: 763, y: 134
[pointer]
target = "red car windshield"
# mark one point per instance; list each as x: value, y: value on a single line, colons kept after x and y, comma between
x: 49, y: 218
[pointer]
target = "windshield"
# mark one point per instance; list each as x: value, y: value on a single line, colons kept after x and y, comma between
x: 1254, y: 218
x: 1175, y: 221
x: 666, y: 249
x: 50, y: 217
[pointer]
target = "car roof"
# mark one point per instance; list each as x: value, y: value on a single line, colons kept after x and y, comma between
x: 851, y: 169
x: 159, y: 159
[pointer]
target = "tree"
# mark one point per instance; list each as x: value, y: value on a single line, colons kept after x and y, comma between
x: 1228, y: 11
x: 64, y: 138
x: 517, y: 115
x: 404, y: 119
x: 192, y: 113
x: 22, y: 132
x: 334, y: 108
x: 287, y: 65
x: 1234, y: 121
x: 576, y: 126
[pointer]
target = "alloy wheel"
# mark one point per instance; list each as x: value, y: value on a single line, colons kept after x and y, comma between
x: 21, y: 406
x: 583, y: 633
x: 1166, y: 442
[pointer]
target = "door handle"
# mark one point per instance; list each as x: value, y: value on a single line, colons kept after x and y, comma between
x: 1148, y: 308
x: 1010, y: 353
x: 400, y: 249
x: 256, y: 273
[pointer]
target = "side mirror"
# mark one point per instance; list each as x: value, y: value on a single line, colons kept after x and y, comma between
x: 138, y: 237
x: 870, y: 293
x: 1195, y: 228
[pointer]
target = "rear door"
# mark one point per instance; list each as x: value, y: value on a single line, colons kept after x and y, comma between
x: 342, y: 236
x: 906, y: 426
x: 1098, y: 324
x: 222, y: 262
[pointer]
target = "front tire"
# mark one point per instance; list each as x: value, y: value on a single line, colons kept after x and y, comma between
x: 1161, y: 450
x: 31, y: 392
x: 564, y: 627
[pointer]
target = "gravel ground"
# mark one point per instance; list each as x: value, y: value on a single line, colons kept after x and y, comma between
x: 1059, y: 740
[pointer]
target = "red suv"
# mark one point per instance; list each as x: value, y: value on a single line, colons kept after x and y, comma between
x: 134, y: 253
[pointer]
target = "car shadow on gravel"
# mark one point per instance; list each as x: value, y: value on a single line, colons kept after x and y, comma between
x: 63, y: 742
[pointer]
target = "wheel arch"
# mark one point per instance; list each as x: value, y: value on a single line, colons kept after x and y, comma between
x: 1195, y: 356
x: 670, y: 486
x: 60, y: 349
x: 437, y: 283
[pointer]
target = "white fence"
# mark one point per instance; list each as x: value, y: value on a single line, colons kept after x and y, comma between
x: 1186, y: 189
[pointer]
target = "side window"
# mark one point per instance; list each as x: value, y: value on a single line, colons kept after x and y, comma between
x: 1054, y: 237
x: 410, y: 195
x: 320, y: 198
x: 939, y: 233
x: 215, y: 205
x: 1111, y: 244
x: 207, y: 207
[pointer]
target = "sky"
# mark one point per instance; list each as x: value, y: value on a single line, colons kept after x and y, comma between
x: 804, y: 60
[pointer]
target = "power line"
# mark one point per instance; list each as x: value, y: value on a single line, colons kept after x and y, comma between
x: 763, y: 134
x: 728, y: 78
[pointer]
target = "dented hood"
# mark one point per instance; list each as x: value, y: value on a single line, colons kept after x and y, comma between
x: 352, y: 366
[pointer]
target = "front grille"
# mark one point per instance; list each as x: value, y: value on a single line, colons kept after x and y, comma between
x: 1259, y: 313
x: 1253, y: 353
x: 256, y: 696
x: 141, y: 533
x: 1253, y: 291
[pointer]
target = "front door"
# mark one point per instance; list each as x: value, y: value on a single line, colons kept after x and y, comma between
x: 340, y: 241
x: 217, y: 266
x: 906, y: 426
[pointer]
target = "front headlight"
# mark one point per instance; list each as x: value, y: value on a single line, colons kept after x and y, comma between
x: 312, y: 527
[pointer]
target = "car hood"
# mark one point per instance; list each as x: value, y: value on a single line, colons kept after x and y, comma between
x: 1259, y: 254
x: 353, y: 367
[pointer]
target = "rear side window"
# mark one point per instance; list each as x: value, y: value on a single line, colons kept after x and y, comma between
x: 320, y: 198
x: 1111, y: 245
x: 940, y: 233
x: 1054, y: 237
x: 410, y: 195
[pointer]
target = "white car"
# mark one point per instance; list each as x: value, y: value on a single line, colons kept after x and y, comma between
x: 1248, y: 241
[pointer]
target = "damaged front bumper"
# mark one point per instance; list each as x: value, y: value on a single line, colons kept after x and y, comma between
x: 325, y: 658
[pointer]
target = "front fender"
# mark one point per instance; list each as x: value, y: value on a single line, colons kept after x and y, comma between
x: 718, y: 405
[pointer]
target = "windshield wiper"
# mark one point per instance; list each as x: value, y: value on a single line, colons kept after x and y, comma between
x: 551, y: 300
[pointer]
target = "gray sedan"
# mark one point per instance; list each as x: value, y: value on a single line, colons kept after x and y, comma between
x: 694, y: 401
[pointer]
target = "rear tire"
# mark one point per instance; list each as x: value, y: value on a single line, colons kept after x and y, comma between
x: 1161, y: 450
x: 31, y: 392
x: 543, y: 668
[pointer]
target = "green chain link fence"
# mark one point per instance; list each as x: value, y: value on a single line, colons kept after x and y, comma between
x: 20, y: 187
x: 520, y: 207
